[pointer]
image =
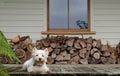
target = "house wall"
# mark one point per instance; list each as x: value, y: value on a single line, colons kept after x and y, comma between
x: 106, y: 20
x: 28, y: 17
x: 23, y: 17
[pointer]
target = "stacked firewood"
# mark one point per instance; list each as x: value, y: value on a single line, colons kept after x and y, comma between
x: 22, y: 47
x: 118, y: 53
x: 66, y: 50
x: 74, y: 50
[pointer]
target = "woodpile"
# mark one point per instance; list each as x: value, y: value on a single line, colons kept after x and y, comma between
x: 22, y: 47
x: 66, y: 50
x: 74, y: 50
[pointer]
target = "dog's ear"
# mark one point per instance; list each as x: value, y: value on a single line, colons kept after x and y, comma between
x: 46, y: 51
x: 34, y: 49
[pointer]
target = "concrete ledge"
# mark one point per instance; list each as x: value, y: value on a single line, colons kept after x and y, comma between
x: 69, y: 70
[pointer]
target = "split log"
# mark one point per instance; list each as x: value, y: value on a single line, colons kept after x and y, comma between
x: 15, y: 39
x: 89, y: 40
x: 83, y: 44
x: 30, y: 47
x: 45, y: 42
x: 50, y: 60
x: 57, y: 51
x: 75, y: 53
x: 27, y: 41
x: 59, y: 58
x: 53, y: 55
x: 93, y: 51
x: 106, y: 54
x: 70, y: 42
x: 39, y: 44
x: 28, y: 55
x: 96, y: 55
x: 74, y: 60
x: 89, y: 46
x: 77, y: 45
x: 83, y: 61
x: 82, y: 53
x: 53, y: 45
x: 67, y: 57
x: 72, y: 50
x: 94, y: 44
x: 20, y: 53
x: 63, y: 53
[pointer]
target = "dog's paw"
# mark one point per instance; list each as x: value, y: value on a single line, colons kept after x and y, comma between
x: 31, y: 70
x: 48, y: 72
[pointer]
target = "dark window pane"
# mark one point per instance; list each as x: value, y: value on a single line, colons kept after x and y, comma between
x: 58, y: 14
x: 78, y: 14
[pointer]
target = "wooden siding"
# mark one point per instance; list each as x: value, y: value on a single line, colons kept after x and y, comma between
x: 28, y: 17
x: 107, y: 20
x: 23, y: 17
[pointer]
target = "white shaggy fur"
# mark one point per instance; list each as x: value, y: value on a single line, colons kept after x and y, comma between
x: 38, y: 62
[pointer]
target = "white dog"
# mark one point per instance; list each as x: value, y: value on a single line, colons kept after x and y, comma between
x: 38, y: 62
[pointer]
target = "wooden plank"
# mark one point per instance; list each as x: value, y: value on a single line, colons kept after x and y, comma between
x: 68, y: 33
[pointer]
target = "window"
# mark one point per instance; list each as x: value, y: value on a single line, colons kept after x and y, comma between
x: 68, y: 16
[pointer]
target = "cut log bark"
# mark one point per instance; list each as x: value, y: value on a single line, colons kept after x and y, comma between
x: 15, y: 39
x: 70, y: 42
x: 82, y: 53
x: 83, y: 44
x: 50, y: 60
x: 53, y: 55
x: 94, y: 44
x: 75, y: 60
x: 93, y: 51
x: 20, y: 53
x: 89, y: 40
x: 53, y: 45
x: 59, y: 58
x: 45, y: 42
x: 63, y: 53
x: 67, y: 57
x: 57, y: 51
x: 77, y: 45
x: 83, y: 61
x: 96, y: 55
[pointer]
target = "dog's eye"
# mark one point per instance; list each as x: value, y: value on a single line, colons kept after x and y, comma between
x: 42, y: 55
x: 36, y: 55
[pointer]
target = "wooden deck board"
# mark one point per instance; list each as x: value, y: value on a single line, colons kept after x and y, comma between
x: 86, y: 70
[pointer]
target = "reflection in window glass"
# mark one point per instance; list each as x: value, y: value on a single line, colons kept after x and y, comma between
x: 58, y: 14
x: 78, y: 14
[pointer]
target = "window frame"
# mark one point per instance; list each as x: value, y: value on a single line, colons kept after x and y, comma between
x: 68, y: 31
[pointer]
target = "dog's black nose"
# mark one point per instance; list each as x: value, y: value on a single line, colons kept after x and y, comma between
x: 39, y: 59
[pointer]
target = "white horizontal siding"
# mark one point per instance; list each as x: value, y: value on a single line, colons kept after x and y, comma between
x: 21, y: 11
x: 107, y: 20
x: 23, y: 17
x: 23, y: 1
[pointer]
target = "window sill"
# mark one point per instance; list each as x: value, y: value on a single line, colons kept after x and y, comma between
x: 67, y: 33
